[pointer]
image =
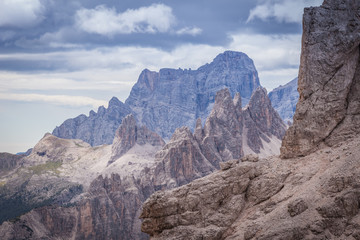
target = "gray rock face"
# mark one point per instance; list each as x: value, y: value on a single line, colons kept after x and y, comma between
x: 328, y: 110
x: 173, y: 98
x: 96, y: 129
x: 267, y: 199
x: 129, y: 134
x: 284, y: 99
x: 168, y: 99
x: 189, y: 156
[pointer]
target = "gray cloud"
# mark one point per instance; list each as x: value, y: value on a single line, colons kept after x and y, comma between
x: 20, y: 13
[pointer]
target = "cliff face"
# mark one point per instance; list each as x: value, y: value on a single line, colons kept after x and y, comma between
x: 229, y: 131
x: 129, y: 134
x: 284, y: 100
x: 315, y: 197
x: 173, y: 98
x: 311, y: 197
x: 165, y: 100
x: 328, y: 110
x: 113, y: 181
x: 96, y: 129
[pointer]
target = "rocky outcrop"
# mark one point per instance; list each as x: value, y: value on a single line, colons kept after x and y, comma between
x: 129, y: 134
x: 328, y: 110
x: 284, y: 100
x: 108, y: 212
x: 96, y: 129
x: 315, y: 198
x: 9, y: 161
x: 261, y: 122
x: 165, y: 100
x: 189, y: 156
x: 172, y: 98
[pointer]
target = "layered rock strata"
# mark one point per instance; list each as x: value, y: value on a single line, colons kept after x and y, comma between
x: 328, y: 110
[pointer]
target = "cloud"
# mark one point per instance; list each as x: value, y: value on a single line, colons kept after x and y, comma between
x: 75, y: 101
x: 106, y: 21
x: 289, y: 11
x: 276, y: 57
x: 189, y: 31
x: 20, y: 13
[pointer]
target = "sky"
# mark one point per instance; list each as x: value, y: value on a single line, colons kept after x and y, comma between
x: 61, y: 58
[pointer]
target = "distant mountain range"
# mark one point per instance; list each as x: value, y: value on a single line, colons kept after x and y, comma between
x: 172, y: 98
x: 284, y: 99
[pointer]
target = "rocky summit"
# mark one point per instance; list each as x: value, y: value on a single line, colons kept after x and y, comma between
x: 329, y: 79
x: 171, y: 98
x: 97, y: 128
x: 312, y: 190
x: 165, y: 100
x: 73, y: 190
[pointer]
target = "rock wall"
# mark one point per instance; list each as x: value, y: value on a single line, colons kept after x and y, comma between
x: 189, y: 156
x: 315, y: 198
x: 328, y: 110
x: 284, y: 100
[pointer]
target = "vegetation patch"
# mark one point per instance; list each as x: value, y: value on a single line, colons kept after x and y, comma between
x: 2, y: 183
x: 46, y: 167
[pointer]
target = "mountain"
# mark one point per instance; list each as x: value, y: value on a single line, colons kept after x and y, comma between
x: 171, y: 98
x: 97, y: 128
x: 312, y: 190
x: 83, y: 192
x: 284, y: 99
x: 329, y: 80
x: 168, y: 99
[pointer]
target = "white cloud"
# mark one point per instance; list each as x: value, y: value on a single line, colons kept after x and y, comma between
x: 189, y: 31
x: 289, y: 11
x: 20, y: 13
x: 54, y: 99
x: 106, y: 21
x: 276, y: 57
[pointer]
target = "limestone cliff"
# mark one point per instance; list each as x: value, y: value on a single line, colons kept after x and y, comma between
x: 172, y: 98
x: 328, y: 110
x: 189, y: 156
x: 315, y: 196
x: 129, y: 134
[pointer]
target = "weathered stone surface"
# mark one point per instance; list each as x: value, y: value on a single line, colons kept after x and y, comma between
x: 97, y: 128
x: 328, y: 110
x: 268, y: 199
x: 261, y: 121
x: 296, y: 207
x: 129, y: 134
x: 284, y: 100
x: 190, y: 156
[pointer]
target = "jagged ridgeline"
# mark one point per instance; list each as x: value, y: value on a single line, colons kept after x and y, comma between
x: 312, y: 191
x: 168, y: 99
